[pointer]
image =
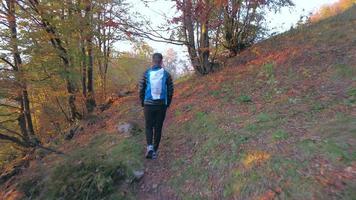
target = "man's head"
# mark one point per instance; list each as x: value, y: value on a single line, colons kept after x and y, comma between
x: 157, y: 59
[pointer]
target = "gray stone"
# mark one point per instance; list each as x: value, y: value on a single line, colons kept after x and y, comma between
x: 128, y: 128
x: 125, y: 128
x: 124, y: 93
x: 138, y: 174
x: 154, y: 186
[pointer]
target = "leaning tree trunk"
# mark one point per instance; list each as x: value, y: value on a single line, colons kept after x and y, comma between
x: 63, y: 55
x: 24, y: 119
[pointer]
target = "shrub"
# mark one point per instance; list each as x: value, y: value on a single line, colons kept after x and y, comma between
x: 85, y: 179
x: 244, y: 98
x: 92, y: 172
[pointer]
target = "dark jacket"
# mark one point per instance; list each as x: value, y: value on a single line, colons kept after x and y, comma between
x: 156, y: 87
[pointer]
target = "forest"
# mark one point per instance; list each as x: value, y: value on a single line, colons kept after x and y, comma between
x: 56, y: 55
x: 60, y: 66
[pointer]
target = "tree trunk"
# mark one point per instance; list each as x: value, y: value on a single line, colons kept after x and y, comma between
x: 90, y: 101
x: 22, y: 122
x: 27, y: 110
x: 188, y: 30
x: 72, y: 90
x: 204, y: 48
x: 90, y: 67
x: 63, y: 55
x: 84, y: 69
x: 106, y: 66
x: 24, y: 119
x: 199, y: 56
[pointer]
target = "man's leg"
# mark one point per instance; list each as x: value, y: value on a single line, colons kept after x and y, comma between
x: 160, y: 116
x: 149, y: 124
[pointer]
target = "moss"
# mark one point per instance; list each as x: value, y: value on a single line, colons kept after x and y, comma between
x: 92, y: 172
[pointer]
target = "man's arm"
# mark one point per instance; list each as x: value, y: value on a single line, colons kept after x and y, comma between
x: 142, y: 88
x: 170, y: 89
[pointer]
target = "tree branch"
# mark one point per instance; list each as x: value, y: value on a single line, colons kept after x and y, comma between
x: 8, y: 62
x: 10, y: 131
x: 6, y: 115
x: 155, y: 36
x: 49, y: 149
x: 10, y: 106
x: 13, y: 139
x: 63, y: 111
x: 7, y: 70
x: 7, y: 121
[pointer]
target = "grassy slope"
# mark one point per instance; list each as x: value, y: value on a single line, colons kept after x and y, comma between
x: 98, y: 163
x: 279, y: 122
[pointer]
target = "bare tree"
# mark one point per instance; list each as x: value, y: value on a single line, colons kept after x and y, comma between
x: 243, y: 21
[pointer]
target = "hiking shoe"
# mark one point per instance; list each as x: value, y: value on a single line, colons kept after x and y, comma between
x: 149, y: 152
x: 154, y: 155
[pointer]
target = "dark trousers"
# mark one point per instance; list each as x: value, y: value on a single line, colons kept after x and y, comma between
x: 154, y: 118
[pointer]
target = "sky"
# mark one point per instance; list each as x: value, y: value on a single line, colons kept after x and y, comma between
x: 279, y: 22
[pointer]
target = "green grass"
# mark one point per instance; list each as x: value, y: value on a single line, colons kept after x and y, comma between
x: 177, y: 113
x: 244, y: 184
x: 350, y: 192
x: 344, y: 71
x: 334, y: 144
x: 279, y: 171
x: 263, y: 117
x: 206, y: 163
x: 351, y: 93
x: 270, y: 174
x: 92, y: 172
x: 7, y: 154
x: 318, y: 106
x: 243, y: 98
x: 291, y: 163
x: 268, y: 69
x: 280, y: 135
x: 293, y: 184
x: 265, y: 123
x: 252, y: 127
x: 215, y: 93
x: 183, y: 79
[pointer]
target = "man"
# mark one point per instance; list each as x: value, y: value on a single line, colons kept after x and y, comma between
x: 156, y: 92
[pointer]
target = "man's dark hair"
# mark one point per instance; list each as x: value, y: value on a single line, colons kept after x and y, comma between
x: 157, y: 58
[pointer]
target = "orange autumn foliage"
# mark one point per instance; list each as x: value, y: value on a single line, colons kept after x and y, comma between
x: 332, y: 10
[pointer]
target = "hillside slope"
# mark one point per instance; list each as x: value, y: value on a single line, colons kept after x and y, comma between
x: 278, y: 123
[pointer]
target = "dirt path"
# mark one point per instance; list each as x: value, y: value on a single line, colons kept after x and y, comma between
x: 154, y: 185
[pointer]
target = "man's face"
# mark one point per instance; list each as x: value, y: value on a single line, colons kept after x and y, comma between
x: 157, y: 60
